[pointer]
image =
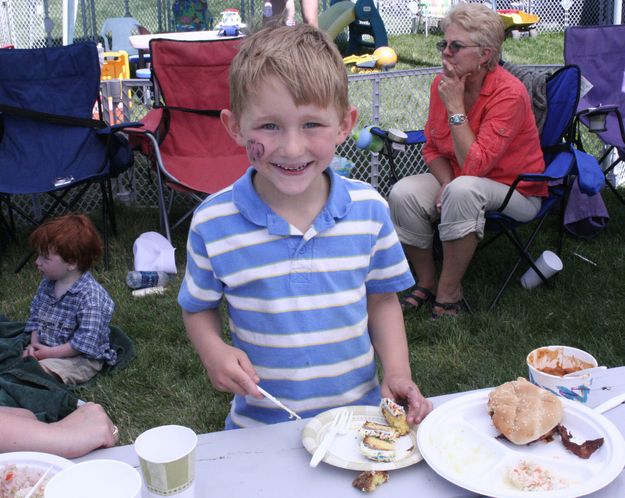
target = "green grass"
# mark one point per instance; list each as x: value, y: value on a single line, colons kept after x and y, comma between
x: 420, y: 51
x: 167, y: 384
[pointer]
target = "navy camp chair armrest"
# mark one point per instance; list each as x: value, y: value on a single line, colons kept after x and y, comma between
x: 414, y: 137
x: 559, y: 168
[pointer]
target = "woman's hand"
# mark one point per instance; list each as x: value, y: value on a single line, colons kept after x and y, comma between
x: 85, y: 429
x: 402, y: 388
x: 451, y: 89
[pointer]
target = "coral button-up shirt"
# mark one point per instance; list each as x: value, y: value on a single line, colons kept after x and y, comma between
x: 507, y: 141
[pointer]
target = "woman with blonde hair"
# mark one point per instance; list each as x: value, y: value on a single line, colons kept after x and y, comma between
x: 481, y: 133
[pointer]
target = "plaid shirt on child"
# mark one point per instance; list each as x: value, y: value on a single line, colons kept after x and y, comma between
x: 81, y: 317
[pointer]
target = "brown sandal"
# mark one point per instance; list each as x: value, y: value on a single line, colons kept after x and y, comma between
x: 415, y: 302
x: 449, y: 309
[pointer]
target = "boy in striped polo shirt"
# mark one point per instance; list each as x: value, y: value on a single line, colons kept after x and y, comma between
x: 308, y: 262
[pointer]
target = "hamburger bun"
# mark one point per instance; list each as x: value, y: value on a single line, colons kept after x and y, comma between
x: 523, y: 412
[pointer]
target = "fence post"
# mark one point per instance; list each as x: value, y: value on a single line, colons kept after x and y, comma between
x: 375, y: 115
x: 618, y: 12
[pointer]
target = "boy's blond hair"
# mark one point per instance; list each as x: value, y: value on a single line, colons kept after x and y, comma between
x: 303, y: 58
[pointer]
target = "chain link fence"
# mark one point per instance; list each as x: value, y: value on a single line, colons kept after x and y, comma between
x: 396, y: 99
x: 39, y: 23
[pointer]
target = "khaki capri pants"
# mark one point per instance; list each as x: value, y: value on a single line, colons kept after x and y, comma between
x: 72, y: 370
x: 463, y: 204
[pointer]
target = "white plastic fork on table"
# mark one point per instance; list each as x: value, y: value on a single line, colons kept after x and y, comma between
x: 611, y: 403
x: 340, y: 425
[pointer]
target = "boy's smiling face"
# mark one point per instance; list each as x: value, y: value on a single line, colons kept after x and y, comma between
x: 289, y: 145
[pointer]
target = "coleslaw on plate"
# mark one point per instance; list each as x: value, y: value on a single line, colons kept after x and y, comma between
x: 17, y: 481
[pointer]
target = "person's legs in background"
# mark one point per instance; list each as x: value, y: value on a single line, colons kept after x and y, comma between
x: 413, y: 210
x: 286, y: 9
x: 464, y: 203
x: 310, y: 12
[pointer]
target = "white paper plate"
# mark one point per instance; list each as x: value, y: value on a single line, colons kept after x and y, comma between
x: 459, y: 442
x: 344, y: 451
x: 36, y: 461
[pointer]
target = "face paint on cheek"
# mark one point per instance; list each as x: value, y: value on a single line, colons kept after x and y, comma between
x: 255, y: 150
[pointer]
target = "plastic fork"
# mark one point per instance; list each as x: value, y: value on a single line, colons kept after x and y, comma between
x: 38, y: 483
x: 340, y: 425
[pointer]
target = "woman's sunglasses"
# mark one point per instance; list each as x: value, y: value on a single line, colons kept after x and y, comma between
x: 454, y: 46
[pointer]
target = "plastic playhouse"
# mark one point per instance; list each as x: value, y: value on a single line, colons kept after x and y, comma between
x: 363, y: 21
x: 518, y: 23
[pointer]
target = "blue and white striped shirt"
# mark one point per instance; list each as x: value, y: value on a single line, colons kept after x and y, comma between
x: 297, y: 302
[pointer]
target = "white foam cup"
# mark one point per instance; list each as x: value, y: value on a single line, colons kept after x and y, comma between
x: 167, y: 458
x: 545, y: 365
x: 548, y: 263
x: 95, y: 479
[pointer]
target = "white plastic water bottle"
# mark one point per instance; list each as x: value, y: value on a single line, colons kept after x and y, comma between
x: 145, y: 279
x: 267, y: 9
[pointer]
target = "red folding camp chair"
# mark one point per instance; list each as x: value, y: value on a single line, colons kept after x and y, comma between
x: 183, y: 136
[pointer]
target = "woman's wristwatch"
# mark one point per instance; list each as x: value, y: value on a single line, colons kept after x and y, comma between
x: 457, y: 119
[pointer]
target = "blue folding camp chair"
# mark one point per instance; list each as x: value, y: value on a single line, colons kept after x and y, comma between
x: 562, y: 95
x: 49, y: 142
x: 599, y: 51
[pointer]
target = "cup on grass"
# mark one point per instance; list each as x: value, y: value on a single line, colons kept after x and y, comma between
x: 167, y: 458
x: 548, y: 263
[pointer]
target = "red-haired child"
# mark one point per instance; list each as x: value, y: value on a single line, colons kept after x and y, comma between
x: 70, y: 314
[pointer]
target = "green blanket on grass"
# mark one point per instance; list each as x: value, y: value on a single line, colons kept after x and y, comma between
x: 24, y: 384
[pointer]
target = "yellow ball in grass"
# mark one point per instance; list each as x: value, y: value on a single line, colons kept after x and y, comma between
x: 386, y: 58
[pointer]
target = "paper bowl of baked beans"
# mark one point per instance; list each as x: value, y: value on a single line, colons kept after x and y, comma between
x: 562, y: 370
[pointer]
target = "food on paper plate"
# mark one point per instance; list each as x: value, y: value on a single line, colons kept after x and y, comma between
x: 16, y: 482
x: 583, y: 450
x: 395, y: 415
x: 369, y: 480
x: 528, y: 476
x: 377, y: 450
x: 523, y: 412
x: 381, y: 431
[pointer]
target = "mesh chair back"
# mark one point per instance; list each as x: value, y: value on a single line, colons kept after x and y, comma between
x: 599, y: 51
x: 197, y: 151
x: 562, y: 98
x: 35, y: 153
